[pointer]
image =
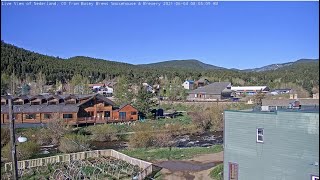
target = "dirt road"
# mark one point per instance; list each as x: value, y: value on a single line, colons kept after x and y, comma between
x: 197, y: 168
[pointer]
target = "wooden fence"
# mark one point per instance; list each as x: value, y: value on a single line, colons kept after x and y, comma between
x: 31, y: 163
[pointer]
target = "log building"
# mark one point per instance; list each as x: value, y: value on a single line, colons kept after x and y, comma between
x: 73, y: 109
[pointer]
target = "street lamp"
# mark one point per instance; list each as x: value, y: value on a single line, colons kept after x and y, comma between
x: 22, y: 139
x: 13, y: 142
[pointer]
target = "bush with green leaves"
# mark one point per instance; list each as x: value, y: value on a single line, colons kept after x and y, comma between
x: 141, y: 139
x: 217, y: 172
x: 143, y: 136
x: 5, y: 136
x: 74, y: 143
x: 103, y: 132
x: 24, y: 150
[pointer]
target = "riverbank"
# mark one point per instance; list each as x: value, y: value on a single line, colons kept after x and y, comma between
x: 162, y: 154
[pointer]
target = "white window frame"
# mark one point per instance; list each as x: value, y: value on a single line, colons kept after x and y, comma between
x: 314, y: 177
x: 257, y: 133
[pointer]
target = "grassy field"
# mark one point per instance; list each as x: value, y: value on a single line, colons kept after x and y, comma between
x: 156, y: 154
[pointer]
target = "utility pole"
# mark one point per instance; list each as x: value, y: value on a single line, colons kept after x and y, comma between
x: 13, y: 142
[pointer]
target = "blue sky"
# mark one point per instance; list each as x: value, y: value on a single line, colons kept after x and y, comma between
x: 231, y: 34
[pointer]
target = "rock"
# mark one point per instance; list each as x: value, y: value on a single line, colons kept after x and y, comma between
x: 206, y: 145
x: 45, y: 152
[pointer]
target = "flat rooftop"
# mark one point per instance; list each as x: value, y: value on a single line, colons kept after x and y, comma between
x: 303, y: 109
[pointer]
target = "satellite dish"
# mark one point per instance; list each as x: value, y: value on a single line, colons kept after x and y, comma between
x: 22, y: 139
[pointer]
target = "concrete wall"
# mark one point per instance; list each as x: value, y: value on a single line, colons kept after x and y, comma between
x: 289, y: 150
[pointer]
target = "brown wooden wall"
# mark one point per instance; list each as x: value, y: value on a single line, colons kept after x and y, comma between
x: 22, y: 118
x: 128, y: 109
x: 100, y: 107
x: 3, y: 101
x: 87, y: 112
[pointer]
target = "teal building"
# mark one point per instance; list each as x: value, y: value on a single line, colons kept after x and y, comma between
x: 281, y: 145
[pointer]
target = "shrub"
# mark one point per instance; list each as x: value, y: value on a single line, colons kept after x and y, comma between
x: 5, y: 136
x: 31, y: 134
x: 103, y: 132
x: 174, y: 129
x: 217, y: 172
x: 24, y: 150
x: 83, y: 131
x: 74, y: 143
x: 44, y: 137
x: 143, y: 126
x: 141, y: 139
x: 41, y: 136
x: 163, y: 140
x: 210, y: 118
x: 57, y: 129
x: 201, y: 119
x: 191, y: 129
x: 143, y: 136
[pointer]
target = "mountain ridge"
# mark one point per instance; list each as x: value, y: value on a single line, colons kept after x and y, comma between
x: 25, y: 64
x: 280, y: 65
x: 194, y: 64
x: 183, y: 63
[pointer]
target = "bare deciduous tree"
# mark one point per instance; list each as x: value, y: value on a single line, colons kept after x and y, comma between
x: 57, y: 128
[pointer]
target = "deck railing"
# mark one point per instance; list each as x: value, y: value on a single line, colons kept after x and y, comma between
x: 71, y: 121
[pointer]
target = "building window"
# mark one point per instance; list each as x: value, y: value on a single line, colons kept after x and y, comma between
x: 122, y: 115
x: 18, y: 103
x: 35, y: 103
x: 66, y: 116
x: 314, y: 177
x: 30, y: 116
x: 52, y: 102
x: 233, y: 171
x: 71, y: 102
x: 133, y: 113
x: 260, y: 135
x: 47, y: 116
x: 107, y: 114
x: 3, y: 103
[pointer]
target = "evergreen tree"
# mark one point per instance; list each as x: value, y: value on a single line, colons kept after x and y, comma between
x: 145, y: 101
x: 5, y: 83
x: 25, y: 89
x: 122, y: 91
x: 258, y: 98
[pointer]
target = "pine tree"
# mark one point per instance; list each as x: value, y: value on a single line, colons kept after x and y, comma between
x: 122, y: 91
x: 258, y: 98
x: 145, y: 101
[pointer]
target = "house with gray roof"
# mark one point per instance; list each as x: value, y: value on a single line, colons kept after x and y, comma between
x: 213, y: 91
x: 188, y: 84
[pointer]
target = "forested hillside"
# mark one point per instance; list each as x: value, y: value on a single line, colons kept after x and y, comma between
x: 26, y: 64
x: 282, y: 65
x: 183, y: 64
